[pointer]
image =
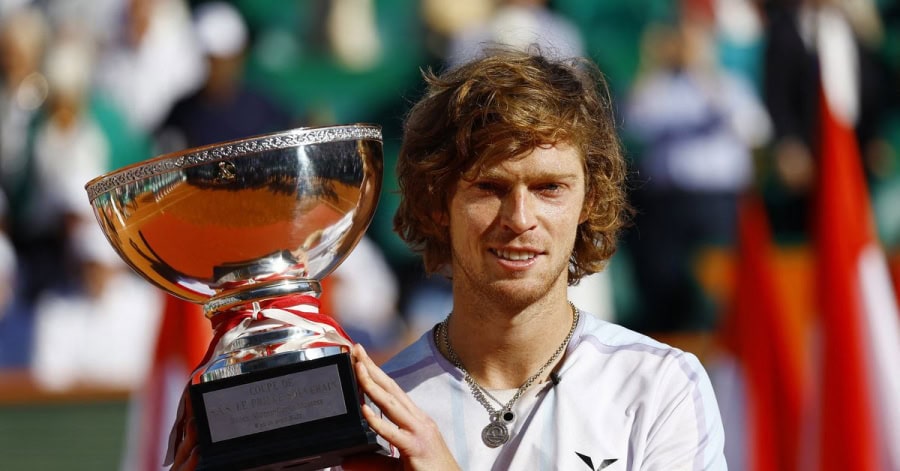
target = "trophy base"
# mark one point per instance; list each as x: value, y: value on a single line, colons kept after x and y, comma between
x: 297, y: 417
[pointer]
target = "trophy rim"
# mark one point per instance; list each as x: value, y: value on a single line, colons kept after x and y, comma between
x: 219, y: 151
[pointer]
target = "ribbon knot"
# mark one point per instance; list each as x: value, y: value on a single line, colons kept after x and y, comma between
x: 298, y: 310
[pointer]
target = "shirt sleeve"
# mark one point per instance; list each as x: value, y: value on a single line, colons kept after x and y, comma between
x: 686, y: 432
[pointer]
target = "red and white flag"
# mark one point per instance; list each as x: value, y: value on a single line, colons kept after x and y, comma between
x: 859, y: 352
x: 766, y: 377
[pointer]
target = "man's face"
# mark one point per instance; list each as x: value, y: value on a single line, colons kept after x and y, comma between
x: 513, y: 227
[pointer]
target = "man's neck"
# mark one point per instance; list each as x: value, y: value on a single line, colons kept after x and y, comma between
x: 502, y: 346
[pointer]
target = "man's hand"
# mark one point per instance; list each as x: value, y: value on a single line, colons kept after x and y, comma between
x: 186, y: 453
x: 404, y: 425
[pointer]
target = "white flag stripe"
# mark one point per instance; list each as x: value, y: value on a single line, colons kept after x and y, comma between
x: 883, y: 331
x: 839, y: 63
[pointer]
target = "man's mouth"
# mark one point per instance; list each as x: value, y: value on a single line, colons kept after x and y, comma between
x: 513, y: 255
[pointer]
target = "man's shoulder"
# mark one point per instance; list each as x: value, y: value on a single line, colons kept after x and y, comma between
x: 609, y: 339
x: 613, y: 336
x: 609, y: 354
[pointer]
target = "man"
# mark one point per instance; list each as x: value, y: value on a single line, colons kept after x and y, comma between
x: 513, y: 185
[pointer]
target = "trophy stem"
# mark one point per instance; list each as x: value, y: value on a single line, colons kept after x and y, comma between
x: 256, y: 292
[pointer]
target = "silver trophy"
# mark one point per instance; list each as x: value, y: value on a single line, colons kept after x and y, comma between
x: 248, y: 228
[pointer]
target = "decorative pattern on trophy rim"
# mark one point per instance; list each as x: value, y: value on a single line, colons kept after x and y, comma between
x: 217, y: 152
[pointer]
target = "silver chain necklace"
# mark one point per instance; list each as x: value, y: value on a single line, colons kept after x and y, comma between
x: 496, y: 432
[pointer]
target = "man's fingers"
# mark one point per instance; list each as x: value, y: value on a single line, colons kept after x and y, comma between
x: 193, y: 460
x: 381, y: 379
x: 396, y: 410
x: 188, y: 404
x: 403, y: 424
x: 385, y: 428
x: 185, y: 451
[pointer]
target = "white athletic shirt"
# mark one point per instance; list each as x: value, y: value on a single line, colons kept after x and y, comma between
x: 623, y: 402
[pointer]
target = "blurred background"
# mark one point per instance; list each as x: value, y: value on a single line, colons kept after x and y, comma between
x: 762, y: 138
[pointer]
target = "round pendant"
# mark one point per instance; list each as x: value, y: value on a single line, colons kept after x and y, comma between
x: 494, y: 434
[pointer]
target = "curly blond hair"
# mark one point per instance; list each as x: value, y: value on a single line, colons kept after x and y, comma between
x: 504, y: 105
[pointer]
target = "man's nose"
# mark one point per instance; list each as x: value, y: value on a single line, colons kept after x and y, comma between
x: 517, y: 211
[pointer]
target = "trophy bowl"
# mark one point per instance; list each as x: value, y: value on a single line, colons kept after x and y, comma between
x: 247, y: 229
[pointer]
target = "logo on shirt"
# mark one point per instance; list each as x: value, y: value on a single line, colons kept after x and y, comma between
x: 603, y: 464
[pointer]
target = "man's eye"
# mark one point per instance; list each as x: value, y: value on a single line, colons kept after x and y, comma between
x: 487, y: 186
x: 550, y: 187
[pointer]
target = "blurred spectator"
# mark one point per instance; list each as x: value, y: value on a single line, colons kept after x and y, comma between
x: 102, y: 332
x: 520, y: 24
x: 362, y: 49
x: 740, y: 37
x: 225, y: 107
x: 23, y: 37
x: 103, y: 18
x: 696, y: 124
x: 444, y: 19
x: 70, y: 147
x: 65, y: 148
x: 151, y: 62
x: 16, y: 320
x: 795, y: 36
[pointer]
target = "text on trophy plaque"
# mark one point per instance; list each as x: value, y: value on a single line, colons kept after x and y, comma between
x: 274, y: 403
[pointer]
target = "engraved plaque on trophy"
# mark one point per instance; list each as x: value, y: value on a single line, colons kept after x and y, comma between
x: 248, y: 228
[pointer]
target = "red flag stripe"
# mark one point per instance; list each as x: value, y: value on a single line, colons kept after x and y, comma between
x: 844, y: 225
x: 767, y: 345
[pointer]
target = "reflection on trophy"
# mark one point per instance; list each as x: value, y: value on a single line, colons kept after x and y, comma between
x: 247, y: 228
